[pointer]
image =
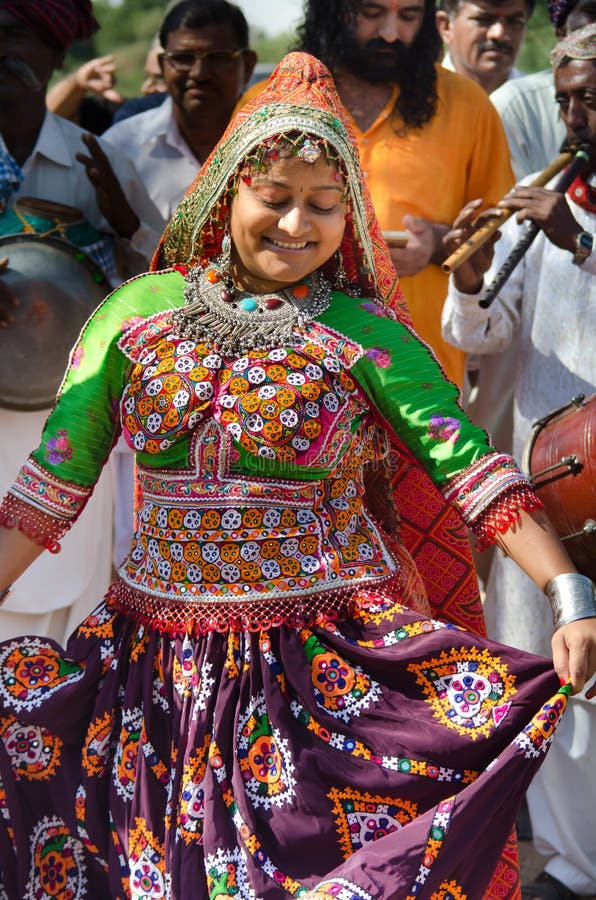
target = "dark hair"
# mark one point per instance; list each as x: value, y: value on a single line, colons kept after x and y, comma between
x: 328, y: 30
x: 452, y: 6
x: 198, y: 13
x: 583, y: 13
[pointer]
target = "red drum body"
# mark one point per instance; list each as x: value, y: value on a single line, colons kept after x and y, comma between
x: 560, y: 458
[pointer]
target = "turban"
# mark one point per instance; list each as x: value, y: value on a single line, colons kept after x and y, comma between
x: 56, y: 22
x: 559, y: 10
x: 580, y: 44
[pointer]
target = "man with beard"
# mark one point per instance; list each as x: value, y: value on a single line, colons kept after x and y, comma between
x: 483, y: 38
x: 43, y: 157
x: 428, y: 137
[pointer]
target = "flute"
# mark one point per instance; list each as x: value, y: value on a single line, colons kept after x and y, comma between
x: 578, y: 162
x: 485, y: 231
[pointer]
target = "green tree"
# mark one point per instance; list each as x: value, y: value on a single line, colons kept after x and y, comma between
x: 539, y: 41
x: 128, y: 27
x: 272, y: 49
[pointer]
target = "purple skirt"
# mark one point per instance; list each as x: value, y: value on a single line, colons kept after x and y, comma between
x: 380, y: 757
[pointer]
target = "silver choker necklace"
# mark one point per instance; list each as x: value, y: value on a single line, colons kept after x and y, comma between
x: 230, y: 320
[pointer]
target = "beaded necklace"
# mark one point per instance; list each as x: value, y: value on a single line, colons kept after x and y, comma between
x: 227, y: 319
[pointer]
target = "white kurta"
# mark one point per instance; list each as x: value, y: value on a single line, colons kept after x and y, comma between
x: 52, y: 172
x: 56, y: 592
x: 548, y: 306
x: 161, y: 156
x: 532, y: 121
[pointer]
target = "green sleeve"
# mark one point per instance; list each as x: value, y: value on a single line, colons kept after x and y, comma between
x: 84, y: 423
x: 408, y: 388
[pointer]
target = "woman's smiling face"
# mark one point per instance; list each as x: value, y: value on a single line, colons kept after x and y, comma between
x: 286, y: 223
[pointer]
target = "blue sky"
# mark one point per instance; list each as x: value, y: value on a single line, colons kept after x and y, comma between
x: 271, y: 15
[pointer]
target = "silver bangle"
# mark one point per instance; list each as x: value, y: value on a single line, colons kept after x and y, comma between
x: 572, y: 597
x: 4, y: 594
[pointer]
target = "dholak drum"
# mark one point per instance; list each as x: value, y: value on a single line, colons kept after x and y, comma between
x: 49, y: 287
x: 560, y: 458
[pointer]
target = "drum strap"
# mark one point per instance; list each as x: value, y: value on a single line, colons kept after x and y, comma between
x: 59, y: 227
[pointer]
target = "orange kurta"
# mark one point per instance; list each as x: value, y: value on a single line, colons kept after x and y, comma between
x: 432, y: 173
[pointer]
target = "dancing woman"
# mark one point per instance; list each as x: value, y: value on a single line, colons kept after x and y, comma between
x: 262, y: 706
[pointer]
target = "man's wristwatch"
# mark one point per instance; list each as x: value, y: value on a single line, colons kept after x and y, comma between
x: 584, y: 244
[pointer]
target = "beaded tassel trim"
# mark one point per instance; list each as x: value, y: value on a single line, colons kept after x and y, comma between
x: 475, y: 489
x: 232, y: 321
x: 177, y: 618
x: 38, y: 526
x: 48, y: 493
x: 503, y: 513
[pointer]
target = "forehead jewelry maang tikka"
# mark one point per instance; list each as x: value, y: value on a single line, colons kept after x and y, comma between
x: 309, y: 152
x: 297, y: 144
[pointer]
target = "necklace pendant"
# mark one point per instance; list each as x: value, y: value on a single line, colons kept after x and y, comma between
x: 222, y: 316
x: 300, y: 291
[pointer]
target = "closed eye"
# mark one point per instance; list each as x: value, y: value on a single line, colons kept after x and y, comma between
x: 323, y: 209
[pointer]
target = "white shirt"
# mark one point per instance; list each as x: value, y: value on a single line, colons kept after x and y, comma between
x: 532, y: 122
x: 74, y: 578
x: 447, y: 63
x: 549, y: 305
x: 161, y: 155
x: 52, y: 172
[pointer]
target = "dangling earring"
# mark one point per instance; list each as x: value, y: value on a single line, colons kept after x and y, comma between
x: 224, y: 264
x: 226, y: 250
x: 341, y: 282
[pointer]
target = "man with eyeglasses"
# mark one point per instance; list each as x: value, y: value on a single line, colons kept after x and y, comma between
x: 483, y: 38
x: 206, y: 64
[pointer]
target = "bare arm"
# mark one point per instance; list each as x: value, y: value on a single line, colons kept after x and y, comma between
x: 17, y: 552
x: 97, y: 76
x: 534, y: 546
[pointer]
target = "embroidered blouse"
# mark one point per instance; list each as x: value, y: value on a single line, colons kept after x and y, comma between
x: 250, y: 469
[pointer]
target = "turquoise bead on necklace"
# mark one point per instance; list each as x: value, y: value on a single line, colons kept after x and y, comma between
x: 249, y: 304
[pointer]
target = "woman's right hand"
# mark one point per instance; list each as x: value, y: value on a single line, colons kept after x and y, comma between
x: 574, y: 654
x: 469, y: 276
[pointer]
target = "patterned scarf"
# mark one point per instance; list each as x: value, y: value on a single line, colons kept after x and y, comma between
x: 10, y: 177
x: 56, y: 22
x: 300, y: 96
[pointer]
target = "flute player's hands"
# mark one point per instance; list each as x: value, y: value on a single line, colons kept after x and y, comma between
x: 549, y: 210
x: 424, y: 246
x: 468, y: 277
